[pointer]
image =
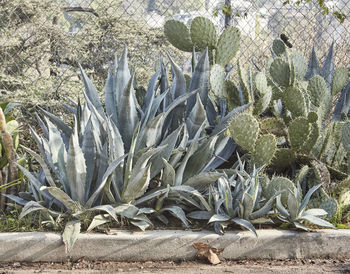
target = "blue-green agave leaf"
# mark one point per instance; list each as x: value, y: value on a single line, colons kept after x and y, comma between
x: 246, y: 224
x: 70, y: 234
x: 177, y: 212
x: 313, y: 66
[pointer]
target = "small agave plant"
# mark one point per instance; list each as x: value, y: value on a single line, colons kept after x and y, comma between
x: 297, y: 212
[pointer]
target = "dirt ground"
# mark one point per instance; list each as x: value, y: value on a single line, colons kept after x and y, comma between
x: 274, y: 266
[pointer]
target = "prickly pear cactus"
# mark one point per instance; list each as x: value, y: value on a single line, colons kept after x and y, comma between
x: 178, y: 35
x: 318, y: 91
x: 228, y: 45
x: 294, y: 100
x: 283, y: 158
x: 273, y: 125
x: 280, y: 72
x: 203, y: 33
x: 330, y: 205
x: 244, y: 129
x: 340, y: 79
x: 217, y: 81
x: 265, y: 149
x: 277, y: 184
x: 278, y: 47
x: 300, y: 65
x: 298, y: 132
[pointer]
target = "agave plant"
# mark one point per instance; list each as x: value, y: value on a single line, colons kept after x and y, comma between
x: 297, y: 212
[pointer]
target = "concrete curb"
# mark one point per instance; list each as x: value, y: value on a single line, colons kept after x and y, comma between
x: 176, y: 245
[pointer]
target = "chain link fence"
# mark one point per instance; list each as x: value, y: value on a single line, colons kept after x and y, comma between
x: 43, y: 41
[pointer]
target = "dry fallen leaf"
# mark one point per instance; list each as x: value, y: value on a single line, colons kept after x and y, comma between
x: 206, y: 252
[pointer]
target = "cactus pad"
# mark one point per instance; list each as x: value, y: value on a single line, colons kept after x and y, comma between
x: 228, y: 45
x: 244, y: 129
x: 300, y: 65
x: 340, y: 79
x: 263, y: 102
x: 278, y: 47
x: 273, y: 125
x: 217, y: 80
x: 330, y: 205
x: 298, y: 131
x: 277, y: 184
x: 280, y: 72
x: 294, y: 100
x: 203, y: 33
x: 346, y: 137
x: 312, y: 138
x: 178, y: 35
x: 317, y: 90
x: 283, y: 158
x: 233, y: 98
x: 264, y: 150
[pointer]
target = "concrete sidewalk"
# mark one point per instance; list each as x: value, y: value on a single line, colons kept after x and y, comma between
x: 163, y: 245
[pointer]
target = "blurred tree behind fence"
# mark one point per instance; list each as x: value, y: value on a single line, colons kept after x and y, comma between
x: 43, y: 41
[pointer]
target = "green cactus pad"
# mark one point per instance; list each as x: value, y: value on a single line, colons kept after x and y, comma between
x: 312, y: 138
x: 283, y: 158
x: 280, y: 72
x: 312, y: 117
x: 244, y: 82
x: 298, y: 132
x: 217, y: 81
x: 228, y: 45
x: 178, y: 35
x: 346, y: 137
x: 294, y: 101
x: 302, y: 175
x: 340, y: 79
x: 300, y: 65
x: 277, y: 184
x: 203, y: 33
x: 233, y: 98
x: 317, y: 90
x: 244, y: 129
x: 263, y: 102
x: 264, y: 150
x: 260, y: 83
x: 344, y: 198
x: 330, y: 205
x: 273, y: 125
x: 278, y: 47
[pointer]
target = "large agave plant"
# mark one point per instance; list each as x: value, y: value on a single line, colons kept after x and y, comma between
x: 107, y: 160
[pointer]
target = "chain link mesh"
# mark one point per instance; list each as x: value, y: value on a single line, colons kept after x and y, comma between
x: 43, y: 41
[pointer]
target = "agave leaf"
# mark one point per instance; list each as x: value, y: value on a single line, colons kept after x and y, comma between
x: 30, y: 207
x: 248, y: 206
x: 42, y: 126
x: 35, y: 182
x: 42, y: 164
x: 328, y: 66
x: 168, y: 145
x: 129, y: 162
x: 143, y: 225
x: 122, y: 77
x: 16, y: 199
x: 196, y: 117
x: 179, y: 81
x: 150, y: 195
x: 317, y: 221
x: 164, y: 86
x: 76, y: 168
x: 200, y: 81
x: 142, y: 161
x: 199, y: 215
x: 61, y: 196
x: 223, y: 151
x: 314, y: 212
x: 112, y: 166
x: 307, y: 197
x: 265, y: 208
x: 313, y: 66
x: 107, y: 208
x: 168, y: 177
x: 127, y: 210
x: 246, y: 224
x: 137, y: 185
x: 69, y: 108
x: 151, y: 91
x: 203, y: 180
x: 110, y: 98
x: 98, y: 220
x: 200, y: 158
x: 62, y: 171
x: 177, y: 212
x: 89, y: 151
x: 55, y: 142
x: 91, y: 92
x: 152, y: 132
x: 70, y: 234
x: 219, y: 218
x: 193, y: 192
x: 127, y: 114
x: 58, y: 122
x: 281, y: 208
